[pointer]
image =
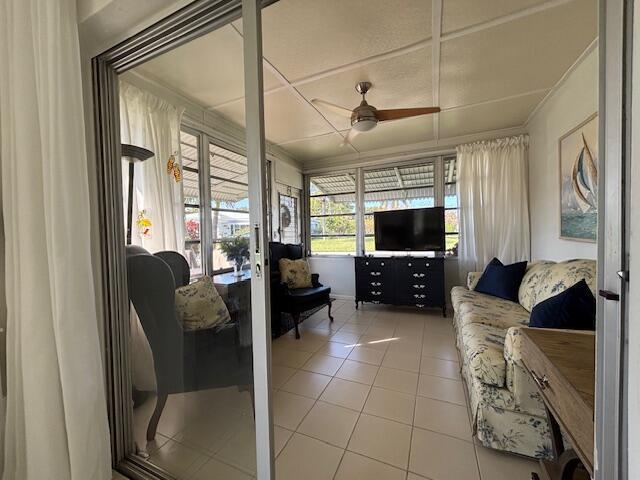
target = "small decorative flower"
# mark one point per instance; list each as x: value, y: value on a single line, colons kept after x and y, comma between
x: 144, y: 224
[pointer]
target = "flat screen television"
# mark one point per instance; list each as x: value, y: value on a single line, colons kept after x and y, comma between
x: 419, y: 229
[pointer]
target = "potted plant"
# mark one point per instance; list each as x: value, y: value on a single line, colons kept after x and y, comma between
x: 236, y: 250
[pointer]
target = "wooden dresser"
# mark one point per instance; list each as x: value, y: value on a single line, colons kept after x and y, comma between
x: 562, y: 364
x: 414, y: 281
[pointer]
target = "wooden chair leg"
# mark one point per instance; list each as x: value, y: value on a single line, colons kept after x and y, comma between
x: 155, y: 418
x: 296, y: 320
x: 330, y: 317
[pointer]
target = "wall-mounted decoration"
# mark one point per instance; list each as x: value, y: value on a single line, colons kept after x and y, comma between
x: 578, y: 150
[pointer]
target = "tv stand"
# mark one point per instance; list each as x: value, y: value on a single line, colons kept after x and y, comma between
x: 406, y: 280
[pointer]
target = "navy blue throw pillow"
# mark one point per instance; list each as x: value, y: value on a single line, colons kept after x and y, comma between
x: 573, y: 309
x: 502, y: 281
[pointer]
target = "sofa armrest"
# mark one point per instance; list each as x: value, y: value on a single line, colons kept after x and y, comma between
x: 472, y: 279
x: 315, y: 280
x: 519, y: 382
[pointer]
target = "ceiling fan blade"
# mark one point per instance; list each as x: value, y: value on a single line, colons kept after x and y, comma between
x: 397, y: 113
x: 345, y: 112
x: 350, y: 136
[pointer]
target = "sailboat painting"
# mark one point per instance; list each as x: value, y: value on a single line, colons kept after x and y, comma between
x: 579, y: 182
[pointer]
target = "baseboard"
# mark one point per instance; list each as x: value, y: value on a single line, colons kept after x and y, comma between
x: 343, y: 297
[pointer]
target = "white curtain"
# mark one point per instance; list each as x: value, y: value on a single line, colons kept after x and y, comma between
x: 56, y: 423
x: 494, y: 202
x: 151, y: 122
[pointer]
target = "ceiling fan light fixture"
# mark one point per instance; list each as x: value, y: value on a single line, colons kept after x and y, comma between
x: 364, y: 125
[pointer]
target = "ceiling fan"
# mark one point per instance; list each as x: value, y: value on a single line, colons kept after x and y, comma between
x: 365, y: 117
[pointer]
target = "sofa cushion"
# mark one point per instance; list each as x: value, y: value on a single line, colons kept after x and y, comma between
x: 562, y: 275
x: 476, y: 307
x: 483, y: 352
x: 529, y: 285
x: 502, y: 281
x: 575, y: 308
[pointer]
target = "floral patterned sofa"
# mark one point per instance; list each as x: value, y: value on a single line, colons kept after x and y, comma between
x: 508, y: 413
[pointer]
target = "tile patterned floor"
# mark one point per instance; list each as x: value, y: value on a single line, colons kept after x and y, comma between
x: 375, y: 395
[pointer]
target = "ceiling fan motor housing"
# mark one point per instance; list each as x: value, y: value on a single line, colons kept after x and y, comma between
x: 364, y: 117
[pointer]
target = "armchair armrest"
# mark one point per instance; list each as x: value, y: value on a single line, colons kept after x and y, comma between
x: 315, y: 280
x: 472, y: 279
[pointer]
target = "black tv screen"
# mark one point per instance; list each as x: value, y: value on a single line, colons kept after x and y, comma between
x: 420, y: 229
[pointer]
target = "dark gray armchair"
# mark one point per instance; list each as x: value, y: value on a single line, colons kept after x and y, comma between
x: 294, y: 301
x: 184, y: 361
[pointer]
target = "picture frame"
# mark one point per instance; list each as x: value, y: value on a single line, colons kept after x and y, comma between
x: 578, y: 181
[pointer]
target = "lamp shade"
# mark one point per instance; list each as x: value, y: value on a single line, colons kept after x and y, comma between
x: 134, y: 153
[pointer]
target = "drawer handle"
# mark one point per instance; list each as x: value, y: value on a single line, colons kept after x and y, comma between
x: 382, y: 263
x: 426, y: 264
x: 366, y: 263
x: 373, y: 292
x: 375, y: 301
x: 376, y: 284
x: 417, y: 295
x: 375, y: 274
x: 542, y: 382
x: 421, y: 286
x: 418, y: 275
x: 419, y: 305
x: 408, y: 264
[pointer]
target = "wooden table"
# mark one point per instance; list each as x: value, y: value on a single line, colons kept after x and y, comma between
x: 562, y: 364
x: 236, y: 293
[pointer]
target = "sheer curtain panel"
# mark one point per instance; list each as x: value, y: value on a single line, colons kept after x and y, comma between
x: 56, y: 422
x: 151, y: 122
x: 494, y: 202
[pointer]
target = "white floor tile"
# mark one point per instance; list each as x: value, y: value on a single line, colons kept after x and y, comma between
x: 443, y: 389
x: 399, y: 380
x: 391, y: 405
x: 308, y: 384
x: 357, y: 372
x: 346, y: 394
x: 307, y: 458
x: 442, y: 457
x: 440, y: 368
x: 329, y: 423
x: 323, y: 364
x: 289, y: 409
x: 382, y: 439
x: 357, y: 467
x: 443, y: 417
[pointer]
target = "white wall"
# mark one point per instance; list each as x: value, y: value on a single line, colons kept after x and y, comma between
x: 337, y: 273
x: 574, y: 100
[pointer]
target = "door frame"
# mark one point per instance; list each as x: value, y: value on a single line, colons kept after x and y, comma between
x: 612, y: 365
x: 186, y: 24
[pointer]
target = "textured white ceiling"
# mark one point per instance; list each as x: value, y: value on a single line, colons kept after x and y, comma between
x: 497, y: 60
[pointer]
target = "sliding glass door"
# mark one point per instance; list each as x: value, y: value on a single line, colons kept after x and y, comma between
x: 184, y: 212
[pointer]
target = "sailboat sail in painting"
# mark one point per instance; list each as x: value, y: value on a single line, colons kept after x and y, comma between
x: 579, y: 182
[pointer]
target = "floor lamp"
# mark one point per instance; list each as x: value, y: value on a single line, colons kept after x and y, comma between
x: 132, y: 154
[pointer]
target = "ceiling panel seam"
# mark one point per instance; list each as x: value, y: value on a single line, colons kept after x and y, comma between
x: 285, y: 82
x: 436, y: 29
x: 409, y: 48
x: 502, y: 20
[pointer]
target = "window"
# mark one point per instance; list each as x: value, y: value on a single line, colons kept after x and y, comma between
x: 191, y: 192
x: 229, y: 200
x: 393, y: 189
x: 451, y: 206
x: 332, y: 211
